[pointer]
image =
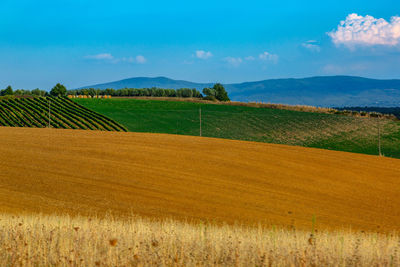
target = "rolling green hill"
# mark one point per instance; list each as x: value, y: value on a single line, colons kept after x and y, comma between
x: 64, y: 113
x: 328, y: 131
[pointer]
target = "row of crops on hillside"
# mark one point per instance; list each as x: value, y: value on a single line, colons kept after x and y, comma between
x: 55, y: 112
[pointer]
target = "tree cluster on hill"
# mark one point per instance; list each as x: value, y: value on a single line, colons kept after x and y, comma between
x: 34, y: 92
x: 217, y: 92
x: 58, y: 90
x: 7, y: 91
x: 154, y: 92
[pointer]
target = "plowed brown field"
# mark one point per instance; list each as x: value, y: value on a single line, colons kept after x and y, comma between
x: 158, y: 175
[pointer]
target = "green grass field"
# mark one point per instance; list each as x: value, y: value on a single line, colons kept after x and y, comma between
x: 328, y: 131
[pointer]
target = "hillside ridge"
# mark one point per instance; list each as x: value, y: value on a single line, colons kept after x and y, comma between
x: 328, y: 91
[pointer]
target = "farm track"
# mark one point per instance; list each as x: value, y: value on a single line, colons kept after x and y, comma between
x: 200, y: 179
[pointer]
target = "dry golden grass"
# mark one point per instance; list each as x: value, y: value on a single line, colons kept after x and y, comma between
x: 33, y: 240
x: 191, y: 178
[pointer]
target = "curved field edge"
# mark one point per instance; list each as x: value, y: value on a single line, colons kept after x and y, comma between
x: 56, y: 112
x: 198, y: 179
x: 308, y: 129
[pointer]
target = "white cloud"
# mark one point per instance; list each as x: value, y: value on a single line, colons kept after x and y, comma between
x: 104, y: 56
x: 367, y: 31
x: 312, y: 46
x: 249, y: 58
x: 126, y: 59
x: 110, y: 58
x: 269, y: 57
x: 141, y: 59
x: 203, y: 54
x: 234, y: 61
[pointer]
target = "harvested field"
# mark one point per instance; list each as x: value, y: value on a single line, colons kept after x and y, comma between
x: 200, y: 179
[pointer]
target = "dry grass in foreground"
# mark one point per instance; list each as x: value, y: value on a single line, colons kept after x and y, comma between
x: 41, y: 240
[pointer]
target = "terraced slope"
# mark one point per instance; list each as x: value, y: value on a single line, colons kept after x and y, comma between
x: 64, y: 113
x: 327, y: 131
x: 158, y: 175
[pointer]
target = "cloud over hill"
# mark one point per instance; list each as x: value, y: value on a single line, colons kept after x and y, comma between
x: 367, y: 31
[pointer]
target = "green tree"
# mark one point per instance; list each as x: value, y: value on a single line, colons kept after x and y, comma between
x: 85, y: 92
x: 92, y: 92
x: 7, y: 91
x: 58, y: 90
x: 22, y: 92
x: 210, y: 92
x: 38, y: 92
x: 220, y: 92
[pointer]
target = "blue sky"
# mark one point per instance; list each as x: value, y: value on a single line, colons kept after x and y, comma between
x: 86, y: 42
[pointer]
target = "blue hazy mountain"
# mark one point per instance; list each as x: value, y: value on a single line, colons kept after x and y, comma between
x: 326, y: 91
x: 146, y: 82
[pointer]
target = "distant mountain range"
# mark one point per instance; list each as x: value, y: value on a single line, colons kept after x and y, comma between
x: 328, y: 91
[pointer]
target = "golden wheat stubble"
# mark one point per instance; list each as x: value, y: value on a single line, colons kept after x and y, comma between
x: 158, y: 175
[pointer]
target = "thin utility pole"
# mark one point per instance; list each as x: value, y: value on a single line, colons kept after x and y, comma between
x: 200, y: 119
x: 379, y: 137
x: 49, y: 115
